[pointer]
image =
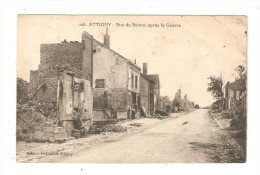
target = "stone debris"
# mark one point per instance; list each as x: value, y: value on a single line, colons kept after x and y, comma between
x: 22, y: 91
x: 95, y: 136
x: 38, y: 122
x: 184, y: 123
x: 161, y: 113
x: 136, y: 124
x: 100, y: 127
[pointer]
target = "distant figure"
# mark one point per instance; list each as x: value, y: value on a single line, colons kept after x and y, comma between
x: 129, y: 112
x: 113, y: 112
x: 176, y: 109
x: 133, y: 111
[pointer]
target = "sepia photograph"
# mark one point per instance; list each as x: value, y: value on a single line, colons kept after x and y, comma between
x: 131, y: 89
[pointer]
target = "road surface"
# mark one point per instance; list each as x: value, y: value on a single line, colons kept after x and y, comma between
x: 191, y: 138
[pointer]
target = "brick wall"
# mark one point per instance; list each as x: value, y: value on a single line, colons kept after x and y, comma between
x: 62, y: 54
x: 78, y: 55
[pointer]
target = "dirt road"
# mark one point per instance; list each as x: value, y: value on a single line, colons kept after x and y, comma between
x: 191, y: 138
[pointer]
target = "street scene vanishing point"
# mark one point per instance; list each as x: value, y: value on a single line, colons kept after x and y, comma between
x: 131, y: 89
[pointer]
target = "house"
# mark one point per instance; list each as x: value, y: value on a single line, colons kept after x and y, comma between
x: 116, y: 84
x: 235, y: 96
x: 155, y: 88
x: 181, y: 103
x: 150, y: 98
x: 147, y: 92
x: 114, y: 79
x: 145, y: 97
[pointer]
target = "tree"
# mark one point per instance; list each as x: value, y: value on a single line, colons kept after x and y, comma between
x: 241, y: 71
x: 196, y: 106
x: 215, y: 87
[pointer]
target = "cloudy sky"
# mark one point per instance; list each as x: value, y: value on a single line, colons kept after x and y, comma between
x: 183, y: 56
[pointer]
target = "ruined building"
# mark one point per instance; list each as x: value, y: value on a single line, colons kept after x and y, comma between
x: 65, y: 77
x: 74, y: 56
x: 177, y: 101
x: 181, y: 104
x: 90, y: 80
x: 166, y: 104
x: 116, y: 82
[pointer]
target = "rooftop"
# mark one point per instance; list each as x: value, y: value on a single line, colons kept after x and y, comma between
x: 238, y: 85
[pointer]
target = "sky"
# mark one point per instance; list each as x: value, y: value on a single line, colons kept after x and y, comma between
x: 184, y: 52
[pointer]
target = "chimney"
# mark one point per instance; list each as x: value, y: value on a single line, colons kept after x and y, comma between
x: 145, y: 68
x: 107, y: 39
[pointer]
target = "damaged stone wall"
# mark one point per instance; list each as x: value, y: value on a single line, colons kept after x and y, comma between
x: 46, y: 90
x: 103, y: 100
x: 74, y: 101
x: 52, y: 58
x: 75, y: 56
x: 61, y: 54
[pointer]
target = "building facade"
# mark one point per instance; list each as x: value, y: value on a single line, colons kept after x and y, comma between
x: 236, y: 97
x: 116, y: 81
x: 150, y: 97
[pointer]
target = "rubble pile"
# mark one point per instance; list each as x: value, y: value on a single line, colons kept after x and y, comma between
x: 47, y: 109
x: 136, y: 124
x: 161, y: 113
x: 100, y: 127
x: 37, y: 122
x: 22, y: 91
x: 114, y: 128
